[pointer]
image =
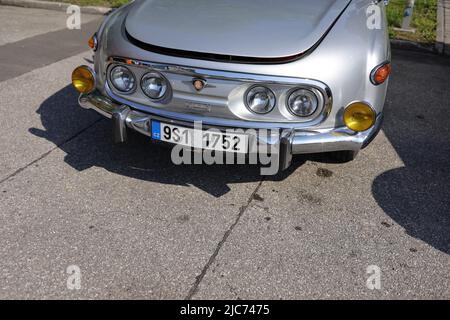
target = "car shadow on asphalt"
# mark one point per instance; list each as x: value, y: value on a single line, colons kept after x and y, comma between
x: 415, y: 196
x: 139, y: 157
x: 417, y: 117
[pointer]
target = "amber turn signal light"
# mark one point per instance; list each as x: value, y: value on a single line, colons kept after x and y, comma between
x: 83, y: 79
x: 93, y: 42
x: 380, y: 73
x: 359, y: 116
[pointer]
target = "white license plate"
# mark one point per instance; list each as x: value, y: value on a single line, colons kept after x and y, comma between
x: 212, y: 140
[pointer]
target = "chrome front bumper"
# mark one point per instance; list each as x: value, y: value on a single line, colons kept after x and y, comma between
x: 294, y: 141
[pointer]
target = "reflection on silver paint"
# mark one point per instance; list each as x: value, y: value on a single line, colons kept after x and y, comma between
x: 263, y: 28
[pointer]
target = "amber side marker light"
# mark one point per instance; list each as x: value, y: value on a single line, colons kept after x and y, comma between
x: 359, y: 116
x: 83, y: 79
x: 93, y: 42
x: 380, y: 73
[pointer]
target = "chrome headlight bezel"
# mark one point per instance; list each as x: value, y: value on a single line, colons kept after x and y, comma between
x: 253, y: 90
x: 111, y: 81
x: 166, y: 85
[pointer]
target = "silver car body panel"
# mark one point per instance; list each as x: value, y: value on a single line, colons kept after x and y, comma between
x: 339, y: 66
x: 263, y: 28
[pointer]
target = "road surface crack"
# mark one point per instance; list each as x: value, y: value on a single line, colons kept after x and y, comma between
x: 219, y: 246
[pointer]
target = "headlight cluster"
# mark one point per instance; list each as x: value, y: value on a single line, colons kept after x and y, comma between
x: 259, y: 99
x: 300, y: 102
x: 154, y: 85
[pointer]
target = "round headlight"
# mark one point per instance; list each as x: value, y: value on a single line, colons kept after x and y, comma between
x: 83, y: 79
x: 260, y: 100
x: 154, y: 85
x: 122, y: 79
x: 302, y: 103
x: 359, y: 116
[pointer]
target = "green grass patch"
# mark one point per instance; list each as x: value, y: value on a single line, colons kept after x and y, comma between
x: 424, y: 20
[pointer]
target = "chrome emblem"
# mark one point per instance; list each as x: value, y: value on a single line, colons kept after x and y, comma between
x: 198, y: 107
x: 199, y: 84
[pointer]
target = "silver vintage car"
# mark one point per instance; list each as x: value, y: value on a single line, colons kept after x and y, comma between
x: 313, y: 71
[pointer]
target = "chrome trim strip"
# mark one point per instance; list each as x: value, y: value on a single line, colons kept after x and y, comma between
x: 222, y: 75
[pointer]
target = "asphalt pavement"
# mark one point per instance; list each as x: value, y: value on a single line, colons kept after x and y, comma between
x: 138, y: 226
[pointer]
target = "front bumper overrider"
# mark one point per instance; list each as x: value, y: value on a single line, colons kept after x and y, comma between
x: 293, y: 141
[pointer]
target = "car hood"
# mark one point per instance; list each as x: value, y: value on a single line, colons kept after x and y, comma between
x: 257, y: 28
